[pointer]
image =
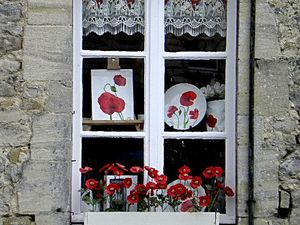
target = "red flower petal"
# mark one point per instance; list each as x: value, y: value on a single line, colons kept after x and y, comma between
x: 187, y: 98
x: 110, y: 103
x: 120, y: 80
x: 211, y: 121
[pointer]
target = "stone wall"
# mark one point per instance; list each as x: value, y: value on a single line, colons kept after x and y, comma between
x: 277, y: 145
x: 35, y: 111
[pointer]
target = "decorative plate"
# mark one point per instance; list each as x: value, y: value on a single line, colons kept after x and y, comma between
x: 185, y: 106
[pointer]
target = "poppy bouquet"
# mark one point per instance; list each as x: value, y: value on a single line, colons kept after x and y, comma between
x: 186, y: 194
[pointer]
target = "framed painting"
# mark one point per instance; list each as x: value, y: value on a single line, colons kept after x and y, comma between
x: 112, y: 94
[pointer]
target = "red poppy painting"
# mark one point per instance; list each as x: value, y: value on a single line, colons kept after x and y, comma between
x: 185, y: 106
x: 112, y: 95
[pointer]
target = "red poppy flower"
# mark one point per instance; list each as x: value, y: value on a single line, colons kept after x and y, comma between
x: 110, y: 103
x: 104, y: 167
x: 196, y: 182
x: 133, y: 198
x: 184, y: 176
x: 109, y: 169
x: 161, y: 179
x: 136, y: 169
x: 228, y: 191
x: 187, y: 98
x: 152, y: 172
x: 211, y: 121
x: 177, y: 190
x: 85, y: 169
x: 120, y: 80
x: 116, y: 171
x: 151, y: 185
x: 112, y: 188
x: 204, y: 201
x: 218, y: 171
x: 122, y: 167
x: 98, y: 195
x: 127, y: 182
x: 184, y: 169
x: 141, y: 188
x: 161, y: 186
x: 91, y: 184
x: 194, y: 114
x: 209, y: 172
x: 172, y: 109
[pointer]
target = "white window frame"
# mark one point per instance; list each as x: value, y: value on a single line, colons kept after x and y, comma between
x: 154, y: 92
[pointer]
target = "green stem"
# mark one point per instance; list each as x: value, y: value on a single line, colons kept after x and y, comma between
x: 105, y: 86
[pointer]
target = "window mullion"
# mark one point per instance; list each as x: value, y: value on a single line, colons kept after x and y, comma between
x: 156, y: 83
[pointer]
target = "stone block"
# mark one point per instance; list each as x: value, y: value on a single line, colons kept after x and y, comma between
x: 243, y: 104
x: 60, y: 97
x: 45, y: 187
x: 10, y: 11
x: 21, y: 220
x: 48, y: 53
x: 6, y: 89
x: 266, y: 42
x: 50, y: 3
x: 56, y: 150
x: 51, y: 127
x: 53, y: 219
x: 242, y: 130
x: 271, y: 88
x: 50, y: 16
x: 14, y: 134
x: 8, y: 66
x: 12, y: 116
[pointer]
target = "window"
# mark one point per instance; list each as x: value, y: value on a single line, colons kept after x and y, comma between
x: 164, y: 50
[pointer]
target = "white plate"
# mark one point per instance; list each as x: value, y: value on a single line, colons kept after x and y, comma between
x: 184, y: 116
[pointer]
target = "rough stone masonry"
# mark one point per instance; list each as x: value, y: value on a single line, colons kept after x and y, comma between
x: 36, y: 106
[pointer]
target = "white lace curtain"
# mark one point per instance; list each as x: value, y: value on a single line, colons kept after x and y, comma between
x: 181, y: 16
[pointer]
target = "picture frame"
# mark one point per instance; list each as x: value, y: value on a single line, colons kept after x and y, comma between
x: 112, y: 94
x: 124, y: 191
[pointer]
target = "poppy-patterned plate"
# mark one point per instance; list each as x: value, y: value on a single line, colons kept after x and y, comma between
x: 185, y: 106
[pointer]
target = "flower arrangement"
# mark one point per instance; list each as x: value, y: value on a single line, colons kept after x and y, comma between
x: 214, y: 91
x: 187, y: 194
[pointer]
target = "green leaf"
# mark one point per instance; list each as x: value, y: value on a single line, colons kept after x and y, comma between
x: 113, y: 89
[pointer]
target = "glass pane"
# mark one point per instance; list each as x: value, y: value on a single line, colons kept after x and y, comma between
x: 110, y: 42
x: 113, y: 99
x: 113, y: 25
x: 197, y: 155
x: 97, y: 152
x: 194, y: 95
x: 194, y: 25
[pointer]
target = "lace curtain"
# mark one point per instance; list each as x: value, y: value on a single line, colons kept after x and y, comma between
x: 181, y: 16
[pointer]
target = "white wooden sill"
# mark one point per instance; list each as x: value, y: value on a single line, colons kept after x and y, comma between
x: 151, y: 218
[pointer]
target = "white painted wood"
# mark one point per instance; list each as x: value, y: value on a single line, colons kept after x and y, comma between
x: 111, y: 54
x: 77, y: 99
x: 194, y: 135
x: 195, y: 55
x: 230, y: 109
x: 150, y: 218
x: 112, y: 134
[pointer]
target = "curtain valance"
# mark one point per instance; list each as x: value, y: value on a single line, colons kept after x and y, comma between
x: 181, y: 16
